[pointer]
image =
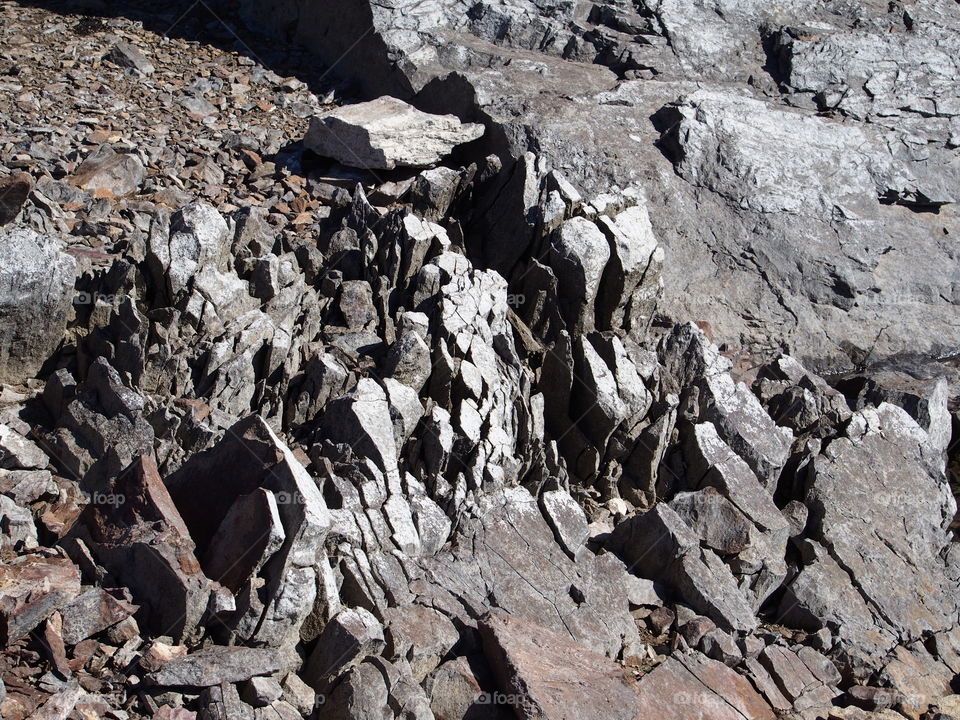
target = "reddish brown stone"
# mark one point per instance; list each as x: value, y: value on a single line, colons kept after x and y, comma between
x: 31, y: 590
x: 14, y: 191
x: 693, y: 687
x: 547, y: 676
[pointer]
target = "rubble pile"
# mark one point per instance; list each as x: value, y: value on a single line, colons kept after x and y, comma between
x: 361, y: 400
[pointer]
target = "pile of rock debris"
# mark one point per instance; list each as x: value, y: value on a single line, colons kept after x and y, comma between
x: 321, y: 408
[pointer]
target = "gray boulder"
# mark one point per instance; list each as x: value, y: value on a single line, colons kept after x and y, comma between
x: 36, y: 292
x: 386, y: 133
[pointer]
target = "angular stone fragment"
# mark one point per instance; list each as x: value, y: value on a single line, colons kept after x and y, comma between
x: 14, y: 191
x: 247, y: 538
x: 31, y: 589
x: 19, y: 530
x: 566, y: 519
x: 18, y: 452
x: 659, y: 545
x: 420, y: 635
x: 92, y: 612
x: 347, y: 638
x: 386, y: 133
x: 251, y: 459
x: 578, y: 255
x: 142, y: 539
x: 107, y: 173
x: 689, y: 686
x: 463, y: 688
x: 715, y: 519
x: 36, y: 291
x: 216, y: 665
x: 130, y: 56
x: 738, y: 416
x: 552, y: 677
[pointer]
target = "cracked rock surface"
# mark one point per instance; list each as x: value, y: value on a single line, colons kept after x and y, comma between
x: 439, y: 360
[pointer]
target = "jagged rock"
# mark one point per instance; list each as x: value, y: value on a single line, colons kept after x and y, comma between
x: 250, y: 534
x: 550, y: 676
x: 216, y: 665
x: 377, y: 689
x: 585, y: 598
x: 252, y: 459
x: 26, y: 486
x: 879, y: 473
x: 737, y: 414
x: 350, y: 636
x: 421, y: 636
x: 18, y: 452
x: 93, y: 611
x: 631, y: 284
x: 718, y: 523
x: 261, y: 691
x: 101, y: 428
x: 14, y: 191
x: 298, y: 694
x: 142, y: 540
x: 579, y: 252
x: 659, y: 545
x: 925, y: 399
x: 31, y: 589
x: 19, y: 530
x: 130, y: 56
x: 386, y: 133
x: 463, y: 688
x: 107, y: 173
x: 872, y: 698
x: 688, y: 685
x: 807, y: 693
x: 35, y: 298
x: 797, y: 398
x: 61, y: 704
x: 566, y: 519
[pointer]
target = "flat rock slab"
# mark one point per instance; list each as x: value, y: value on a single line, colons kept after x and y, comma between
x: 31, y: 590
x: 550, y: 677
x: 216, y: 665
x: 387, y: 133
x: 693, y: 687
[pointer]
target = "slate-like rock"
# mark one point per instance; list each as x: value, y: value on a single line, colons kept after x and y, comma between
x: 549, y: 676
x: 386, y: 133
x: 14, y: 191
x: 36, y: 291
x: 216, y: 665
x: 31, y: 589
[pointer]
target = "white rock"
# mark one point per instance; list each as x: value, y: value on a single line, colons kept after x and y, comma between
x: 386, y: 133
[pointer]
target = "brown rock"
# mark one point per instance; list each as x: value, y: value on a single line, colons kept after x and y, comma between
x: 31, y: 590
x: 693, y: 687
x: 550, y: 677
x: 53, y: 640
x: 92, y: 612
x: 144, y: 542
x: 107, y: 173
x: 216, y: 665
x: 14, y: 191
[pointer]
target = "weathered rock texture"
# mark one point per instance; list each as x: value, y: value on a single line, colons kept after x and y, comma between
x: 317, y: 406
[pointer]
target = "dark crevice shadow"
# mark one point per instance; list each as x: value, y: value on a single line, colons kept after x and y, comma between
x: 216, y: 23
